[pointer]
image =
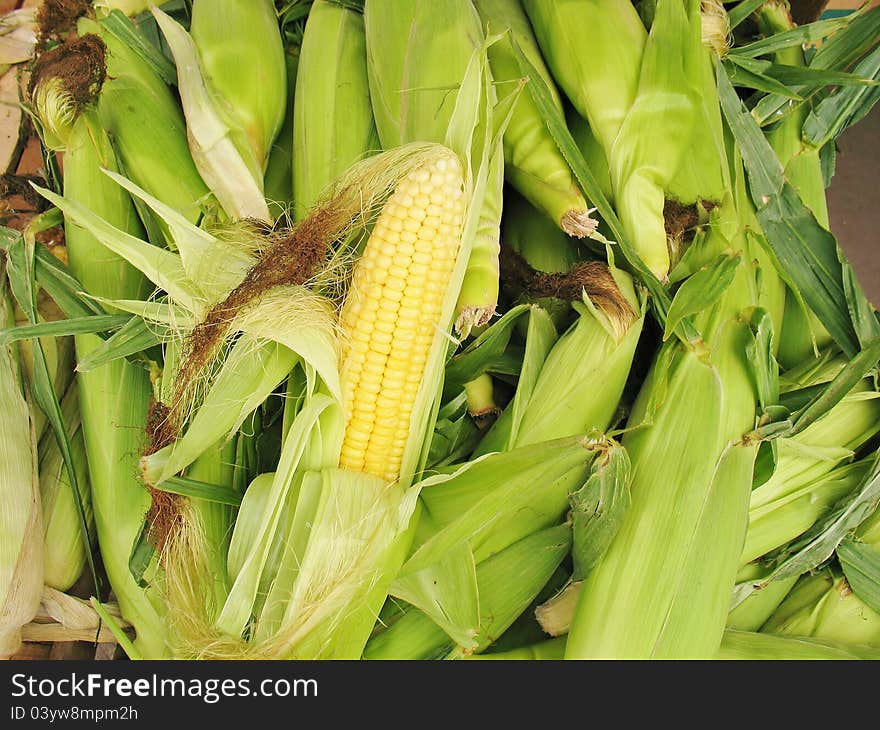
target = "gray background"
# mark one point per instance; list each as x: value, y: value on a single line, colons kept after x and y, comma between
x: 854, y: 201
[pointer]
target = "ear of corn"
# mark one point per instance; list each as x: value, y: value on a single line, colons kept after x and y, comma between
x: 666, y: 101
x: 594, y: 49
x: 241, y: 53
x: 64, y: 554
x: 781, y: 510
x: 223, y: 153
x: 394, y: 304
x: 824, y: 606
x: 333, y: 119
x: 141, y: 115
x: 533, y: 163
x: 599, y: 346
x: 675, y: 603
x: 116, y: 393
x: 535, y: 557
x: 591, y: 149
x: 417, y: 101
x: 21, y: 558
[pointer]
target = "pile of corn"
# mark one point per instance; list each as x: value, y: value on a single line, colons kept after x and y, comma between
x: 408, y: 329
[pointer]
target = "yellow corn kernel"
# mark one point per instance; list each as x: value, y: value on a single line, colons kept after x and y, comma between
x: 403, y: 274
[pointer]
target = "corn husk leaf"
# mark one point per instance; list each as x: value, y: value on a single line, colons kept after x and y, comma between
x: 751, y: 646
x: 20, y: 573
x: 861, y: 566
x: 791, y: 229
x: 229, y: 168
x: 597, y: 508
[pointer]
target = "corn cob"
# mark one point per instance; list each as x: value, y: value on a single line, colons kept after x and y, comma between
x: 333, y: 120
x: 21, y: 559
x: 532, y: 161
x: 391, y: 311
x: 415, y: 102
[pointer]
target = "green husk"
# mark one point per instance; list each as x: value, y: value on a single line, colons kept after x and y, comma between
x: 415, y: 101
x: 333, y: 120
x: 229, y: 148
x: 64, y: 554
x: 640, y: 601
x: 141, y: 115
x: 594, y: 49
x: 549, y: 650
x: 752, y: 613
x: 824, y: 606
x: 533, y: 163
x: 599, y: 347
x: 278, y: 180
x: 20, y: 514
x: 751, y: 646
x: 117, y: 393
x: 534, y: 558
x: 242, y: 56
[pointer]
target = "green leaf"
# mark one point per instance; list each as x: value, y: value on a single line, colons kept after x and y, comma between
x: 801, y: 35
x: 792, y: 231
x: 455, y: 434
x: 63, y: 327
x: 760, y: 353
x: 843, y: 107
x: 142, y: 552
x: 132, y: 338
x: 837, y: 53
x: 748, y: 78
x: 598, y: 508
x: 474, y: 360
x: 861, y: 566
x: 540, y: 338
x: 20, y: 271
x: 201, y: 490
x: 447, y: 592
x: 862, y: 312
x: 834, y: 392
x: 742, y: 11
x: 702, y: 289
x: 806, y: 77
x: 819, y: 543
x: 125, y: 31
x: 828, y: 160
